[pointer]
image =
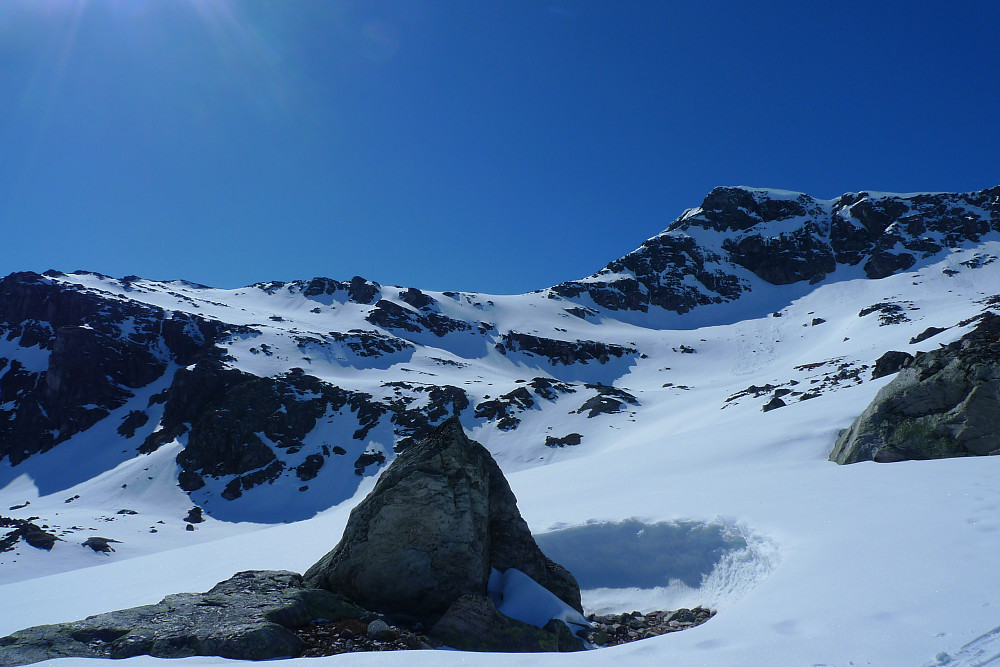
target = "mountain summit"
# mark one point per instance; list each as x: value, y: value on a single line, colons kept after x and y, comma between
x: 711, y: 254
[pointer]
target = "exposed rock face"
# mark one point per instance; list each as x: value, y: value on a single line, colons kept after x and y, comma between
x: 783, y: 238
x: 246, y: 617
x: 439, y: 518
x: 96, y: 352
x: 225, y: 412
x: 395, y: 317
x: 562, y: 351
x: 944, y: 403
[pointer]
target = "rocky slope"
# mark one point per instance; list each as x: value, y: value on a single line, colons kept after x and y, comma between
x: 709, y: 254
x: 296, y: 391
x: 943, y: 403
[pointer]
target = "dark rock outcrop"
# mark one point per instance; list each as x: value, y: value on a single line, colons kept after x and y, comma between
x: 945, y: 403
x: 563, y: 351
x: 783, y: 238
x: 246, y: 617
x: 608, y: 400
x: 394, y: 317
x: 14, y: 530
x: 570, y: 440
x: 99, y: 350
x: 439, y: 518
x: 929, y: 332
x: 100, y: 544
x: 773, y: 404
x: 891, y: 362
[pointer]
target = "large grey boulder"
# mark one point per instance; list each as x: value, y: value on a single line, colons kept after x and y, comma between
x: 945, y: 403
x: 246, y: 617
x: 439, y: 518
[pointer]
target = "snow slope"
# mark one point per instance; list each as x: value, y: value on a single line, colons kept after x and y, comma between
x: 707, y: 498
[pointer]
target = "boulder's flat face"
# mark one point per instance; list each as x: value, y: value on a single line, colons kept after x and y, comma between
x: 946, y: 403
x: 436, y: 522
x: 245, y: 617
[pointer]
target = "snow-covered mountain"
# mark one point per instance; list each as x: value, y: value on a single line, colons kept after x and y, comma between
x: 665, y: 424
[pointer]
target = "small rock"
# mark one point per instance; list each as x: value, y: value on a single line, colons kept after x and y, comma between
x: 101, y: 544
x: 682, y: 615
x: 379, y: 629
x: 773, y: 404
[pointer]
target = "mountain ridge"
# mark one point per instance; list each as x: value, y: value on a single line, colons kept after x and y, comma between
x: 315, y: 384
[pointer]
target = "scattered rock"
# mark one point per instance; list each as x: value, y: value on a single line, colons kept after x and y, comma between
x: 888, y: 313
x: 350, y: 635
x: 614, y: 629
x: 23, y: 529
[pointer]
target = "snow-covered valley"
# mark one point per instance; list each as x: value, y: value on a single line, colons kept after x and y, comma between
x: 679, y: 488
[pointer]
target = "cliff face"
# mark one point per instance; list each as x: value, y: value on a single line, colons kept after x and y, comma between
x: 783, y: 238
x: 76, y: 356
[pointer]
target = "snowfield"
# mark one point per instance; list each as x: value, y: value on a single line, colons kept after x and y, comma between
x: 693, y: 496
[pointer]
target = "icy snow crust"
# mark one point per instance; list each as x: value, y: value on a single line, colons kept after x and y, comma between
x: 809, y: 562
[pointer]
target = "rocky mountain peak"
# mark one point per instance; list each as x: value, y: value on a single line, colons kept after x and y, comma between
x: 741, y: 237
x: 735, y: 209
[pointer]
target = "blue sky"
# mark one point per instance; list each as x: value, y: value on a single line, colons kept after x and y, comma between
x: 485, y: 145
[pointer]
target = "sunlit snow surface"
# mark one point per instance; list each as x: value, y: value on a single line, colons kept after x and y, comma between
x: 807, y: 562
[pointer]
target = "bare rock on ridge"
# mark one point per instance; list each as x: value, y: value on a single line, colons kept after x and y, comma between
x: 439, y: 518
